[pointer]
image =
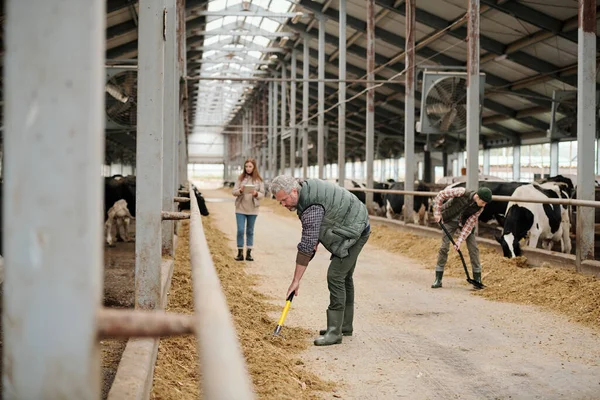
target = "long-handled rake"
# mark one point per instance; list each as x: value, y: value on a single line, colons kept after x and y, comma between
x: 288, y: 303
x: 473, y: 282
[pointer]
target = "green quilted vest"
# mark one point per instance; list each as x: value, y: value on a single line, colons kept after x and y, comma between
x: 462, y: 207
x: 345, y: 216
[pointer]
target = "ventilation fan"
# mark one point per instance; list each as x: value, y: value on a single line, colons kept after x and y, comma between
x: 121, y: 98
x: 444, y: 102
x: 563, y: 119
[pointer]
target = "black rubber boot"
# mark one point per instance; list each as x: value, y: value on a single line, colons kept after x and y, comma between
x: 438, y: 279
x: 333, y: 335
x: 249, y: 255
x: 240, y: 256
x: 477, y: 277
x: 347, y: 324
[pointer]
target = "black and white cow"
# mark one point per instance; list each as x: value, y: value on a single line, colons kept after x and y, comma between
x: 394, y: 203
x: 546, y: 222
x: 377, y: 196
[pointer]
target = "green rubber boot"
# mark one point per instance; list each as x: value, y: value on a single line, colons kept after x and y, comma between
x: 477, y: 277
x: 333, y: 335
x: 347, y: 324
x: 438, y: 279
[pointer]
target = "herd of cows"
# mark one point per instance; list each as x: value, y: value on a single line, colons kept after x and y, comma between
x: 543, y: 224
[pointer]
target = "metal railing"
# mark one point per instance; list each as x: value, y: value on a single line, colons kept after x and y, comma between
x: 224, y: 373
x: 566, y: 202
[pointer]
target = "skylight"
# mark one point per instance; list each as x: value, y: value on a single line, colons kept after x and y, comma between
x: 234, y: 55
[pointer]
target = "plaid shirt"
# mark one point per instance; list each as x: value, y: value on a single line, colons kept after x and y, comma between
x: 469, y: 223
x: 311, y: 220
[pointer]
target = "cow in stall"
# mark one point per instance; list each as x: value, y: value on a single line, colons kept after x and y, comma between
x: 394, y: 203
x: 549, y: 223
x: 119, y: 206
x: 199, y: 198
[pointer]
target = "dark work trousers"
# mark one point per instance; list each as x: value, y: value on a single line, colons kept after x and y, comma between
x: 339, y: 276
x: 452, y: 226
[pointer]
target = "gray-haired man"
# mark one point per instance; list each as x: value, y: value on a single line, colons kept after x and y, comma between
x: 333, y: 216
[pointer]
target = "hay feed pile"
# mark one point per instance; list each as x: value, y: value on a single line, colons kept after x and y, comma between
x: 176, y: 375
x: 275, y: 369
x: 510, y: 280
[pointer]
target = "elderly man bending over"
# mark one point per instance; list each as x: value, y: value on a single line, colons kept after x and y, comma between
x: 333, y: 216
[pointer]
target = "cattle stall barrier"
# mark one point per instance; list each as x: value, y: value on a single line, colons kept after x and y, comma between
x: 591, y: 267
x: 224, y: 373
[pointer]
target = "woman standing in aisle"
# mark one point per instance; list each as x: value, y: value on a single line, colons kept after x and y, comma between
x: 248, y: 190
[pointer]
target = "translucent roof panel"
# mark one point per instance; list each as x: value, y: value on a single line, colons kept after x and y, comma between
x: 229, y: 54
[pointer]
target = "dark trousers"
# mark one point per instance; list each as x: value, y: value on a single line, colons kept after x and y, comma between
x: 339, y: 276
x: 452, y: 226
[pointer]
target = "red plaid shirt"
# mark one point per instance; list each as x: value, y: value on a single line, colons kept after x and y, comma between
x: 471, y: 221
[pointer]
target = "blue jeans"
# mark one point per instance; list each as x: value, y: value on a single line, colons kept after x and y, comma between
x: 245, y: 221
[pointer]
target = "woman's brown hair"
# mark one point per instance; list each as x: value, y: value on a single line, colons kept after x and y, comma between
x: 255, y: 175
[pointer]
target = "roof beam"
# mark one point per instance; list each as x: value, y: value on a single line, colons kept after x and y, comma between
x: 564, y: 29
x: 488, y: 103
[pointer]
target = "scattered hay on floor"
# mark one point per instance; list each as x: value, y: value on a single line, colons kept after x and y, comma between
x: 273, y: 363
x: 277, y: 372
x: 176, y: 375
x: 509, y: 280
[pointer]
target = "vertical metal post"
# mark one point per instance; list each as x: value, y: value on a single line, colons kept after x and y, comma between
x: 586, y: 128
x: 54, y: 141
x: 473, y: 98
x: 149, y: 156
x: 275, y: 127
x: 171, y: 115
x: 342, y: 94
x: 293, y: 114
x: 409, y: 111
x: 517, y: 163
x: 305, y: 89
x: 283, y: 115
x: 321, y: 97
x: 445, y: 162
x: 553, y: 158
x: 486, y: 161
x: 270, y: 133
x: 370, y: 118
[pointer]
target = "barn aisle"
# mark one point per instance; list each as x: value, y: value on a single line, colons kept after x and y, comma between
x: 411, y: 341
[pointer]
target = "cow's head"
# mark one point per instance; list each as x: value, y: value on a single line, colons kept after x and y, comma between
x: 201, y: 203
x: 510, y: 245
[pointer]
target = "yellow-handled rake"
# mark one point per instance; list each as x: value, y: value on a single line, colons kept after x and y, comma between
x: 288, y: 303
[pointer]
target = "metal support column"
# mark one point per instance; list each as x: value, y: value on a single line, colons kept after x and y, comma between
x: 149, y: 155
x: 321, y: 99
x: 293, y: 114
x: 553, y: 158
x: 283, y: 115
x: 342, y: 94
x: 409, y: 110
x: 427, y: 165
x: 445, y: 163
x: 473, y: 98
x: 171, y: 115
x: 586, y: 128
x: 53, y: 252
x: 275, y: 126
x: 305, y: 89
x: 370, y: 118
x: 517, y: 163
x: 486, y: 161
x: 271, y: 172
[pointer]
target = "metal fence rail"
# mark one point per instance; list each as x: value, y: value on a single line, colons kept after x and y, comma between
x: 224, y: 375
x: 566, y: 202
